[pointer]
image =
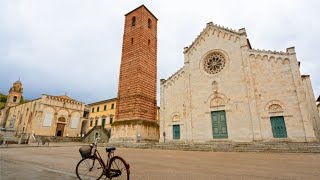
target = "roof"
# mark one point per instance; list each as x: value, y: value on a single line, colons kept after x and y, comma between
x: 318, y: 100
x: 208, y: 26
x: 102, y: 102
x: 141, y: 7
x: 65, y: 97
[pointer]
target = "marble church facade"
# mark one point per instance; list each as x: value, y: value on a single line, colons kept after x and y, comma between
x: 228, y: 91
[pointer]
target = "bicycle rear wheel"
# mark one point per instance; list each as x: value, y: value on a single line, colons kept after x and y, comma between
x: 89, y: 168
x: 118, y: 169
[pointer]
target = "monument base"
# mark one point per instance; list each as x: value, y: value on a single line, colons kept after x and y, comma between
x: 134, y: 131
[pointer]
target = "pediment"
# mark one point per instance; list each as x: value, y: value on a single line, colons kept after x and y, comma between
x: 214, y: 30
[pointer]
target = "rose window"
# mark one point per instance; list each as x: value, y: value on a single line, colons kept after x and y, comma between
x: 214, y: 63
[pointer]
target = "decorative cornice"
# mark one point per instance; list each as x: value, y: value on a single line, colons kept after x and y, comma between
x: 268, y: 52
x: 63, y: 99
x: 173, y: 77
x: 220, y: 31
x: 273, y: 56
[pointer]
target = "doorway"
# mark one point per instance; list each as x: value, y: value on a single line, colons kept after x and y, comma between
x: 278, y: 127
x: 219, y: 124
x: 60, y: 129
x: 176, y: 131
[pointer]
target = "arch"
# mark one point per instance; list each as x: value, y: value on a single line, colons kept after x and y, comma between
x: 279, y: 59
x: 217, y: 99
x: 265, y: 57
x: 15, y: 98
x: 133, y: 21
x: 258, y: 57
x: 84, y: 127
x: 252, y: 56
x: 271, y: 58
x: 75, y: 120
x: 62, y: 119
x: 63, y: 112
x: 175, y: 117
x: 275, y: 106
x: 286, y: 61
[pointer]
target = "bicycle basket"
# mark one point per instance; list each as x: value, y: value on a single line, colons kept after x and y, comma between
x: 85, y: 151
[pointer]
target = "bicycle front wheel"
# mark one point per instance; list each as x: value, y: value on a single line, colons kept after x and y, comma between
x: 89, y: 168
x: 118, y: 169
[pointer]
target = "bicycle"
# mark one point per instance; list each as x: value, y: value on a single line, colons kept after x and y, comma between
x: 92, y: 166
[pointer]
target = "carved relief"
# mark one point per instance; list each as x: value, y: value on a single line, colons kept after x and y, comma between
x: 175, y: 118
x: 275, y: 108
x: 217, y: 101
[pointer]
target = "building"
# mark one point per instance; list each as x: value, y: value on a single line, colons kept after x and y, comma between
x: 102, y: 113
x: 136, y: 110
x: 13, y: 99
x: 318, y: 104
x: 228, y: 91
x: 46, y: 116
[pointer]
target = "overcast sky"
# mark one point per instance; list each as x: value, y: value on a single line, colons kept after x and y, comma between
x: 74, y: 46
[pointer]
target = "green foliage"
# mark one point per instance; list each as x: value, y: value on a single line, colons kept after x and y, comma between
x: 2, y: 105
x: 3, y: 98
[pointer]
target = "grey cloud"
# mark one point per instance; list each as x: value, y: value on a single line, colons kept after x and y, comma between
x: 75, y: 46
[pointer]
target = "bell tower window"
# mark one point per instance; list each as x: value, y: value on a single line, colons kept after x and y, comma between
x: 14, y: 98
x: 133, y: 22
x: 149, y: 23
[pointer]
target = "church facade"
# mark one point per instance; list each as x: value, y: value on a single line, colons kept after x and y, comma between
x: 45, y: 116
x: 228, y: 91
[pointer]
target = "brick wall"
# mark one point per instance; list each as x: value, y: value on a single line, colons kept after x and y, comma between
x: 138, y: 69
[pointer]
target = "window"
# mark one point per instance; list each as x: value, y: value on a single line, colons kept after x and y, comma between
x: 214, y: 63
x: 112, y: 106
x: 133, y: 22
x: 111, y: 119
x: 103, y: 122
x: 149, y: 23
x: 96, y: 123
x: 105, y: 107
x: 131, y: 40
x: 91, y: 121
x: 92, y: 110
x: 149, y: 42
x: 14, y: 98
x: 98, y: 109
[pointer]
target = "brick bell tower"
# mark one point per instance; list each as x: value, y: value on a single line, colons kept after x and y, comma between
x: 136, y: 109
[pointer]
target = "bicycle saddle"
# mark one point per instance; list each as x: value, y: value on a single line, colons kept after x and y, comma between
x: 109, y: 149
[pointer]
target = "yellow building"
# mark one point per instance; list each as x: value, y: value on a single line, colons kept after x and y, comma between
x: 102, y: 113
x: 48, y: 116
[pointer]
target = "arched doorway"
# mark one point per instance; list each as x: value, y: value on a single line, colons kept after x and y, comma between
x: 60, y: 126
x: 84, y: 127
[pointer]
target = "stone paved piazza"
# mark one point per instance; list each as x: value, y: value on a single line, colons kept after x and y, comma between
x: 60, y: 163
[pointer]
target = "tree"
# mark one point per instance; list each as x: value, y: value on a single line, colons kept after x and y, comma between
x: 3, y: 98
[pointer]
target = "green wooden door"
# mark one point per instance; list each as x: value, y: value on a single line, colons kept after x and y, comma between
x: 176, y: 131
x: 219, y: 124
x: 278, y: 127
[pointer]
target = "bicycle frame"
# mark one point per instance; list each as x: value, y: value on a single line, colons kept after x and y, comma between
x: 98, y: 156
